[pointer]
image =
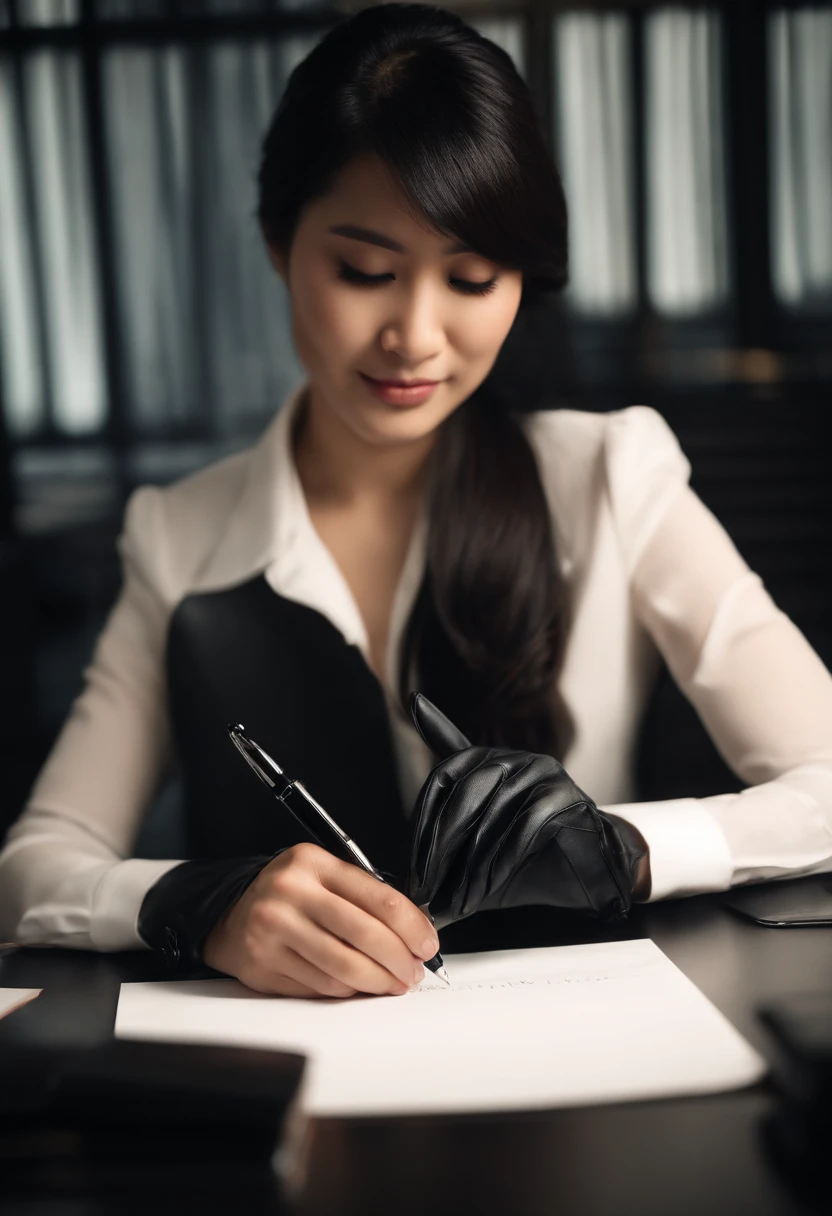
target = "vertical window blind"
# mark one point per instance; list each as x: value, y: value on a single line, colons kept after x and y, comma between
x: 800, y: 57
x: 594, y: 109
x: 687, y: 248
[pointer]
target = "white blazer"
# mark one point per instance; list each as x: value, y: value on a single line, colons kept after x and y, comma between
x: 648, y: 568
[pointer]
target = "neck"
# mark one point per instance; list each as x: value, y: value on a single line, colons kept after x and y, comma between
x: 337, y: 468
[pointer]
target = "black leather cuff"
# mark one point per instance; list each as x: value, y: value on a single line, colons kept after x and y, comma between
x: 629, y: 847
x: 179, y: 910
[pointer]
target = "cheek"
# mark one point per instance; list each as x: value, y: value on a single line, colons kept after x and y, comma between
x: 505, y: 315
x: 326, y: 318
x: 484, y: 329
x: 490, y: 331
x: 342, y: 315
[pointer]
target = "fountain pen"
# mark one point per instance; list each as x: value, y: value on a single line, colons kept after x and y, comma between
x: 311, y: 815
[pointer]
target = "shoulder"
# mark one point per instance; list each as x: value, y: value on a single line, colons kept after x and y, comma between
x: 169, y: 531
x: 629, y: 457
x: 571, y: 444
x: 635, y: 434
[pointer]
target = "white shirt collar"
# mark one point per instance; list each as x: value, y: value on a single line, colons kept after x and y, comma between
x: 270, y: 530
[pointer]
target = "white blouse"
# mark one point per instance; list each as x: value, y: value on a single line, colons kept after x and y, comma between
x: 649, y: 570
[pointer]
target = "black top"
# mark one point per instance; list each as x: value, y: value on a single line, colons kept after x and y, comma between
x: 249, y: 655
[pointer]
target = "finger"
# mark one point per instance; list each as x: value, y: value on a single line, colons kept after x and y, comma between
x: 509, y: 822
x: 295, y: 969
x: 538, y: 828
x: 433, y: 797
x: 438, y: 731
x: 472, y: 825
x: 454, y: 824
x: 277, y: 985
x: 383, y: 902
x: 335, y: 958
x: 367, y: 934
x: 530, y: 824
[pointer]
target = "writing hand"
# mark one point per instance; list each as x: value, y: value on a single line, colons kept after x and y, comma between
x: 311, y: 925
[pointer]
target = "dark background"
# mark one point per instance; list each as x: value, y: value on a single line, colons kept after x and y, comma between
x: 734, y: 352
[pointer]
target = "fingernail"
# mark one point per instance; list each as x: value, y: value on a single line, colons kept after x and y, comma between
x: 418, y: 976
x: 429, y: 948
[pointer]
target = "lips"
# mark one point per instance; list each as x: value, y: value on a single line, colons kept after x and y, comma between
x: 401, y: 394
x: 402, y: 383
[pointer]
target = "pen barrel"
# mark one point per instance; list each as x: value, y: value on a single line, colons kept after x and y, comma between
x: 316, y: 827
x: 323, y: 828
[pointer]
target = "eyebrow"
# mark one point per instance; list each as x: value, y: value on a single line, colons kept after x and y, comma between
x: 386, y: 242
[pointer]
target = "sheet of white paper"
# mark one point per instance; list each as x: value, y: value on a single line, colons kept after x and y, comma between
x: 13, y: 998
x: 518, y: 1029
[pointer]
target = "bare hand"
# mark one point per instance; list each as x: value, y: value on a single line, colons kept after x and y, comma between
x: 313, y: 925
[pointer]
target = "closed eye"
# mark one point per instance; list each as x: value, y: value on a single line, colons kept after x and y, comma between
x: 350, y: 275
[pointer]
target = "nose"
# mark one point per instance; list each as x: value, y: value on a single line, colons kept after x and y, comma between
x: 416, y: 332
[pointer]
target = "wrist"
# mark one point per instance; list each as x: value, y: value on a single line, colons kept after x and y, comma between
x: 644, y: 878
x: 636, y: 856
x: 213, y: 951
x: 183, y: 907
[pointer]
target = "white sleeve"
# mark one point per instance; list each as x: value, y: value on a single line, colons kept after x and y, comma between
x: 64, y: 880
x: 761, y: 691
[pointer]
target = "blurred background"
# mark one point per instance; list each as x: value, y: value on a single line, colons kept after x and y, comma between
x: 143, y: 333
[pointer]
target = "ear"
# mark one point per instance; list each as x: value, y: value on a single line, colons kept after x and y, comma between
x: 439, y: 732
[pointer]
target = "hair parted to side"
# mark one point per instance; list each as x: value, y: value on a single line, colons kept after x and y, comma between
x: 447, y: 112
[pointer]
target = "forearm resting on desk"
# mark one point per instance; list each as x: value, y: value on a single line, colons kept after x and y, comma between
x: 778, y: 829
x: 60, y: 885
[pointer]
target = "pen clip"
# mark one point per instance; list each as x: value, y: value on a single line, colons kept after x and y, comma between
x: 268, y: 770
x: 272, y: 775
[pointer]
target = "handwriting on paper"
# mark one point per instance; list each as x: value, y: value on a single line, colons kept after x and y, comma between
x: 490, y: 985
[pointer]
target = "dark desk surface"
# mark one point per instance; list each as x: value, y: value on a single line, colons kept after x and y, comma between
x: 677, y: 1157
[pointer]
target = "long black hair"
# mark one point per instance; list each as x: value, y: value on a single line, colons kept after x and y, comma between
x: 446, y: 111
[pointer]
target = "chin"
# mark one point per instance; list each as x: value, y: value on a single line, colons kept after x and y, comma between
x: 408, y: 424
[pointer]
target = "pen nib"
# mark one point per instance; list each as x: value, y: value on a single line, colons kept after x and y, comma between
x: 443, y: 976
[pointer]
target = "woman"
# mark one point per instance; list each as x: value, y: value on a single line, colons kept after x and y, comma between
x: 523, y: 571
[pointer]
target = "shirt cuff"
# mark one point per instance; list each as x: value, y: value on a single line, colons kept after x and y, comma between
x: 688, y: 852
x: 115, y: 910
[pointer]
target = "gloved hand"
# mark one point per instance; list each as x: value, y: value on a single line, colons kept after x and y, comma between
x: 498, y: 828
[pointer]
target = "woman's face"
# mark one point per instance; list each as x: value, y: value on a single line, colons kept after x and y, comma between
x: 417, y: 322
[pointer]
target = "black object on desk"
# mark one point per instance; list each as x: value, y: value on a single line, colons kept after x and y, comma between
x: 800, y: 1130
x: 157, y: 1101
x: 135, y: 1122
x: 787, y: 904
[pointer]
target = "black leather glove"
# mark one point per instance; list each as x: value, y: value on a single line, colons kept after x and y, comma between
x: 498, y: 828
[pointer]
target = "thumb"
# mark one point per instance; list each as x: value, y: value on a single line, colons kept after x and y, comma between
x: 439, y: 732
